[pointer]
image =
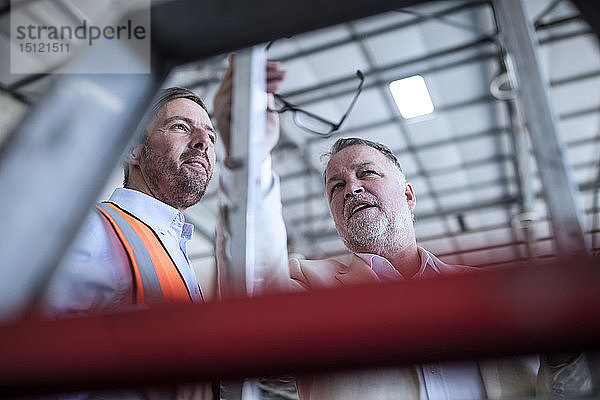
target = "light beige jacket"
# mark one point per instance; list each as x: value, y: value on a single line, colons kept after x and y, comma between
x: 502, y: 378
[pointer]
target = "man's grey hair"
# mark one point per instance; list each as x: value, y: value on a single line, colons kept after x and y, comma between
x: 163, y: 97
x: 342, y: 143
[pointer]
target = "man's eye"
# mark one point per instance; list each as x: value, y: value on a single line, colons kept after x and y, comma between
x: 368, y: 172
x: 336, y: 187
x: 180, y: 127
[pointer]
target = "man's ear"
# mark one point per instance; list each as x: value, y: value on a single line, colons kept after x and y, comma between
x: 411, y: 199
x: 133, y: 156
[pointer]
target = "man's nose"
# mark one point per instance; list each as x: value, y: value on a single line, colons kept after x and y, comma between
x: 354, y: 189
x: 201, y: 141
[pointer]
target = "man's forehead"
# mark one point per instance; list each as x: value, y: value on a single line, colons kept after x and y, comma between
x: 182, y: 105
x: 181, y: 109
x: 353, y: 157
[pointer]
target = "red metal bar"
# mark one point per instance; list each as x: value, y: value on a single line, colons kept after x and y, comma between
x: 489, y: 314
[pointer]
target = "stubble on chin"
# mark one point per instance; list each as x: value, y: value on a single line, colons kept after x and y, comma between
x: 381, y: 234
x: 366, y: 233
x: 172, y: 183
x: 188, y: 187
x: 194, y: 187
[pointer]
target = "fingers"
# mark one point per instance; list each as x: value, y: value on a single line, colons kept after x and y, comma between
x: 275, y: 75
x: 222, y: 103
x: 227, y: 80
x: 270, y: 101
x: 227, y: 77
x: 223, y: 99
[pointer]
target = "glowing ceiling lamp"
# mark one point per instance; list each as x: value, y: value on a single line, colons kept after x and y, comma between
x: 411, y: 96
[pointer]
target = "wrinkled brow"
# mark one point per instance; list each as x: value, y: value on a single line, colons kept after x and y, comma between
x: 353, y: 167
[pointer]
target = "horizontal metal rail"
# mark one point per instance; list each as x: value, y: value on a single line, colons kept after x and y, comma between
x: 497, y: 313
x: 260, y: 21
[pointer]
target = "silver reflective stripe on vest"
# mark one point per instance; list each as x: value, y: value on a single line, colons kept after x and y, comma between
x: 152, y: 291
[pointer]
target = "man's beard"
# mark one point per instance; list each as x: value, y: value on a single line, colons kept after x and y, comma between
x: 381, y: 234
x: 365, y: 235
x: 175, y: 185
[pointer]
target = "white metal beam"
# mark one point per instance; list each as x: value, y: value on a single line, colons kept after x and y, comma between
x: 247, y: 141
x: 246, y: 154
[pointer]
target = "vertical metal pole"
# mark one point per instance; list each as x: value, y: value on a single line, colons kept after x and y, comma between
x: 247, y: 143
x: 248, y: 126
x: 560, y: 191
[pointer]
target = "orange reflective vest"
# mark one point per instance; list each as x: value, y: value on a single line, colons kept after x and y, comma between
x: 156, y: 279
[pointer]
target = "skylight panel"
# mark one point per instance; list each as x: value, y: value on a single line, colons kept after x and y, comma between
x: 411, y: 96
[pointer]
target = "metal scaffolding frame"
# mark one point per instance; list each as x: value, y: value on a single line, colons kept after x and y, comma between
x: 28, y: 361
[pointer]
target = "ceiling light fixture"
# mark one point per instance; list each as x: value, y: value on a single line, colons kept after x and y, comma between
x: 411, y: 96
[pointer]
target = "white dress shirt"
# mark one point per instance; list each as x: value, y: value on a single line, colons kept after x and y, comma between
x: 96, y: 275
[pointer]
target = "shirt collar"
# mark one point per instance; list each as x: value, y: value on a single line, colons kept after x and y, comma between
x: 159, y: 216
x: 386, y: 271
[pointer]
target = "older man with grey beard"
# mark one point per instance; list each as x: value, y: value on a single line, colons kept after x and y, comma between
x: 371, y: 203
